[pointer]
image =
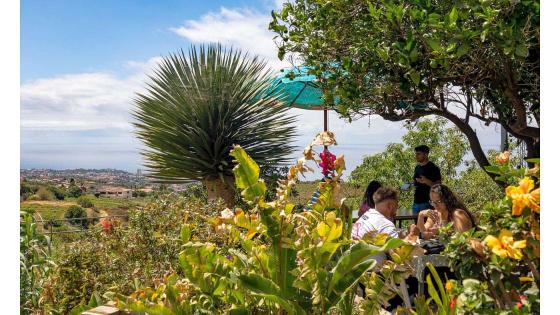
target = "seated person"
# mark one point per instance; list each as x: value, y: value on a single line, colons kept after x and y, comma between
x: 379, y: 219
x: 448, y: 208
x: 367, y: 200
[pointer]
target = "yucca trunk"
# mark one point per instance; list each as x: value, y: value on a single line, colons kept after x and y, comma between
x: 225, y: 190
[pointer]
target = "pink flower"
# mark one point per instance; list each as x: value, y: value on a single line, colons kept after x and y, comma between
x: 327, y: 162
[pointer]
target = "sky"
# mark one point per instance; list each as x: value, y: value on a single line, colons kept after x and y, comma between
x: 82, y: 61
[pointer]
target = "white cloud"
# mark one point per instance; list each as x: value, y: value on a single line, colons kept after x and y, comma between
x: 76, y: 102
x: 242, y: 28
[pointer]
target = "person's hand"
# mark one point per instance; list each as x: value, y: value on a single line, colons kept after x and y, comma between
x: 424, y: 180
x: 413, y: 230
x: 433, y: 215
x: 424, y: 213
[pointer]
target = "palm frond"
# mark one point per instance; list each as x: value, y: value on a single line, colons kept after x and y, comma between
x: 198, y: 105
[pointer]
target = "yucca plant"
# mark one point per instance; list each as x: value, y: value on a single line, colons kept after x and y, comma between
x: 198, y: 105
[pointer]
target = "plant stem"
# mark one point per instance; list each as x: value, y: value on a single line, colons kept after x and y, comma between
x: 534, y: 271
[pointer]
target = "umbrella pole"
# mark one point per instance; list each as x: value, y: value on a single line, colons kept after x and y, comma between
x: 325, y: 123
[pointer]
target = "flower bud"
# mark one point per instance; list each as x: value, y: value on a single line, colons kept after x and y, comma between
x: 503, y: 158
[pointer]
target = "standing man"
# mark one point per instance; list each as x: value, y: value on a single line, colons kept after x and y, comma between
x: 426, y: 174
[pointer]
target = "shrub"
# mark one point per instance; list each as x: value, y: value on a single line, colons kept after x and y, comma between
x: 143, y: 252
x: 74, y: 213
x: 74, y: 191
x: 85, y: 201
x: 33, y: 198
x: 44, y: 194
x: 27, y: 189
x: 57, y: 192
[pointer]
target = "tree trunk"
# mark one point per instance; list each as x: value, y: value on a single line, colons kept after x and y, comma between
x: 218, y: 189
x: 474, y: 142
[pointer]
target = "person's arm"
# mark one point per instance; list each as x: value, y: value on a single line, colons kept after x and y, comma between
x: 426, y: 229
x: 434, y: 177
x: 461, y: 221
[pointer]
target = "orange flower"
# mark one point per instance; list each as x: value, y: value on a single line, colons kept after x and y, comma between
x: 504, y: 245
x: 522, y: 196
x: 534, y: 171
x: 503, y: 158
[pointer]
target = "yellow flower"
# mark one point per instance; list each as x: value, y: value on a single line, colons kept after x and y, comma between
x: 523, y: 196
x: 504, y: 246
x: 503, y: 158
x: 449, y: 285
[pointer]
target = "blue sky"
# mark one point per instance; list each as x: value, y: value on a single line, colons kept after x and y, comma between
x: 81, y: 62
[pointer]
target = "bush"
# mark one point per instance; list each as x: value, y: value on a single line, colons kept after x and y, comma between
x: 33, y: 198
x: 27, y: 188
x: 74, y: 191
x: 139, y: 193
x: 85, y: 201
x: 75, y: 213
x: 44, y: 194
x: 144, y: 251
x: 57, y: 192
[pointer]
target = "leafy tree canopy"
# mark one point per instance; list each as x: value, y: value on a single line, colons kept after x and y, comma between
x: 407, y: 59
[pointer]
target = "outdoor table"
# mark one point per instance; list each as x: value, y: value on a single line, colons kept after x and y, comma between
x: 409, y: 217
x: 419, y: 264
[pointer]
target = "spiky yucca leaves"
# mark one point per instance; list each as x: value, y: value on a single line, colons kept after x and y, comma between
x: 198, y: 105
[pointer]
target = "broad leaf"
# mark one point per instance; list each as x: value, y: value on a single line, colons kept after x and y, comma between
x: 247, y: 175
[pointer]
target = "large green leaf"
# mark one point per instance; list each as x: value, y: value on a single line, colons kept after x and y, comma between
x: 247, y: 175
x: 348, y: 281
x: 356, y: 255
x: 267, y: 289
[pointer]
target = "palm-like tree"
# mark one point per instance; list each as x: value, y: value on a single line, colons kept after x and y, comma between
x: 197, y: 106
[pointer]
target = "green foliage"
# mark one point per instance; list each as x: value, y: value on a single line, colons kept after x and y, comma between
x: 85, y: 201
x: 297, y: 263
x: 74, y: 191
x: 35, y: 264
x: 508, y: 279
x: 139, y: 193
x: 395, y: 165
x: 76, y: 215
x: 141, y: 253
x: 59, y: 194
x: 407, y: 59
x: 44, y: 194
x: 198, y: 105
x: 475, y: 188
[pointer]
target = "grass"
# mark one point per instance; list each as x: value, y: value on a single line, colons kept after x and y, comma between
x: 304, y: 191
x: 53, y: 210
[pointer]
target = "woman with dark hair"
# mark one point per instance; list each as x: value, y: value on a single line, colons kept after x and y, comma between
x: 448, y: 208
x: 367, y: 200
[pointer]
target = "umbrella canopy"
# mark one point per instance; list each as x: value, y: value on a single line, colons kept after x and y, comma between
x: 298, y: 88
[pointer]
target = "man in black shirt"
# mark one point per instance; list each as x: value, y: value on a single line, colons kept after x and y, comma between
x: 426, y: 174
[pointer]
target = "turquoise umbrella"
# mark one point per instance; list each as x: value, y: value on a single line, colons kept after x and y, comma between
x: 299, y: 89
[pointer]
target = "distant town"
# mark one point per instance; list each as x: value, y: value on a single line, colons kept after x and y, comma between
x: 104, y: 182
